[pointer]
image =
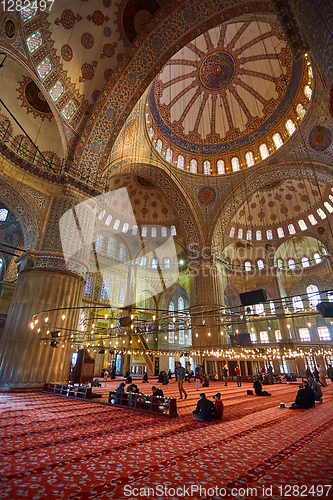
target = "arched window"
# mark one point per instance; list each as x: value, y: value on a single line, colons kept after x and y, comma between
x: 302, y: 225
x: 312, y: 219
x: 143, y: 261
x: 235, y: 164
x: 305, y: 262
x: 264, y: 151
x: 269, y: 234
x: 159, y: 146
x: 134, y: 230
x: 28, y: 12
x: 34, y: 42
x: 249, y: 159
x: 181, y: 335
x: 108, y: 220
x: 3, y: 214
x: 193, y: 166
x: 258, y: 235
x: 171, y: 335
x: 280, y: 264
x: 151, y: 132
x: 310, y: 72
x: 321, y: 213
x: 291, y: 229
x: 220, y: 167
x: 110, y: 249
x: 44, y: 67
x: 330, y: 197
x: 166, y: 263
x: 125, y: 227
x: 181, y: 304
x: 317, y: 258
x: 101, y: 215
x: 247, y: 266
x: 173, y: 230
x: 121, y: 252
x: 291, y: 264
x: 106, y: 289
x: 206, y: 166
x: 153, y: 232
x: 277, y: 141
x: 298, y: 303
x: 56, y: 91
x: 69, y: 110
x: 240, y: 233
x: 154, y: 263
x: 260, y: 264
x: 144, y: 232
x: 168, y: 155
x: 313, y: 295
x: 116, y: 224
x: 290, y: 126
x: 98, y: 243
x: 164, y: 232
x: 280, y: 232
x: 260, y: 309
x: 180, y: 162
x: 328, y: 207
x: 272, y: 307
x: 249, y: 234
x: 122, y: 291
x: 308, y: 92
x: 88, y: 287
x: 232, y: 232
x: 300, y: 110
x: 171, y: 308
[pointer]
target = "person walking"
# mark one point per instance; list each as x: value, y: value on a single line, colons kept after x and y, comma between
x: 181, y: 378
x: 225, y: 374
x: 270, y: 374
x: 238, y: 376
x: 330, y: 373
x: 308, y: 372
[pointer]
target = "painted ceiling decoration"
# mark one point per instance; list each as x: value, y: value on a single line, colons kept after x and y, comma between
x: 225, y: 93
x: 33, y: 99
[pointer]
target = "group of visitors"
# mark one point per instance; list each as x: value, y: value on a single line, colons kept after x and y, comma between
x: 206, y: 410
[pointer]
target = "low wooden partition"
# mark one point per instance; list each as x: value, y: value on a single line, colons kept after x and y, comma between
x: 68, y: 390
x: 156, y: 405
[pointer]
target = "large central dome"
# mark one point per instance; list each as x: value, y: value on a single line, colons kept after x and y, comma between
x: 226, y: 90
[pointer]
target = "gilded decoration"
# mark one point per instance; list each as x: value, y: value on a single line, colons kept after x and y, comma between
x: 320, y: 138
x: 217, y: 70
x: 58, y: 263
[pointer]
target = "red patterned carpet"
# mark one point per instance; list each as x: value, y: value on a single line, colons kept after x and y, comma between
x: 58, y: 448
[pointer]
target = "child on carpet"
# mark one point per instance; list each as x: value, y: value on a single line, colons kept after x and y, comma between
x: 218, y: 405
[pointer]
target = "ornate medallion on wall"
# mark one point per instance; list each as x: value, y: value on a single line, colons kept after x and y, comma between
x: 133, y: 16
x: 33, y: 99
x: 10, y: 29
x: 320, y: 138
x: 207, y: 195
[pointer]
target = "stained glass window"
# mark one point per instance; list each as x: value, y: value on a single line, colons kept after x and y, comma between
x: 235, y: 164
x: 28, y: 12
x: 151, y: 132
x: 106, y: 289
x: 240, y: 233
x: 56, y: 91
x: 164, y: 232
x: 181, y: 335
x: 121, y: 252
x: 144, y: 231
x: 181, y: 304
x: 302, y: 225
x: 291, y: 229
x: 247, y: 266
x: 280, y: 264
x: 3, y: 214
x: 232, y: 232
x: 260, y: 309
x: 317, y: 258
x: 206, y: 166
x: 220, y: 167
x: 88, y: 288
x: 321, y: 213
x: 34, y: 42
x: 305, y: 262
x: 269, y: 234
x: 249, y: 159
x: 291, y: 264
x: 258, y: 235
x: 260, y: 264
x: 173, y: 230
x: 83, y: 319
x: 263, y: 151
x: 308, y: 91
x: 312, y: 219
x: 180, y: 162
x: 300, y: 110
x: 328, y: 207
x: 153, y: 232
x: 44, y: 68
x: 277, y: 141
x: 304, y: 334
x: 167, y: 263
x: 168, y: 155
x: 272, y: 306
x: 69, y: 110
x: 313, y: 295
x: 110, y: 249
x: 253, y: 338
x: 125, y: 227
x: 108, y: 220
x: 193, y: 166
x: 101, y: 215
x: 154, y: 263
x: 171, y: 308
x: 116, y: 224
x: 143, y: 261
x: 290, y: 126
x: 122, y: 291
x: 134, y: 230
x: 264, y: 337
x: 249, y: 234
x: 278, y: 335
x: 280, y: 232
x: 98, y: 244
x: 159, y: 145
x: 324, y: 333
x: 1, y: 264
x: 171, y: 334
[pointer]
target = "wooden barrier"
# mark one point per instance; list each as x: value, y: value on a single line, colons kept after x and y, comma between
x: 68, y: 391
x: 155, y: 405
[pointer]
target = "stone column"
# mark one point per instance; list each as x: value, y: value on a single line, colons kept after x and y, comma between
x: 45, y: 282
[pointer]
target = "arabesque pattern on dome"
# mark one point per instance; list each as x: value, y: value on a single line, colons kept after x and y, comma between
x: 229, y: 92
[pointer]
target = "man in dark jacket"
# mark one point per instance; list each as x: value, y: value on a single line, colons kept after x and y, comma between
x: 305, y: 397
x: 258, y: 388
x: 157, y: 392
x: 204, y: 410
x: 330, y: 372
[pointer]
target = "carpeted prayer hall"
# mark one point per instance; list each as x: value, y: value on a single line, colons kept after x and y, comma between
x: 59, y: 448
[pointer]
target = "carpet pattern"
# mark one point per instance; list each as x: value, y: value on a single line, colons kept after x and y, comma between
x: 57, y: 448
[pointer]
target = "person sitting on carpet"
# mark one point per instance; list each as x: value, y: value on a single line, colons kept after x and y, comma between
x: 96, y: 383
x: 204, y: 410
x: 119, y: 391
x: 145, y: 378
x: 258, y: 388
x: 305, y: 397
x: 132, y: 388
x: 218, y: 406
x: 266, y: 380
x: 158, y: 392
x: 308, y: 372
x: 205, y: 380
x: 316, y: 389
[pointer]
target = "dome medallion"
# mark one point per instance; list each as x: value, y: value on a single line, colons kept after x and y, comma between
x: 217, y: 70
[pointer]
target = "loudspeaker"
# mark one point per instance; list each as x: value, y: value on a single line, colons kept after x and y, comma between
x: 126, y: 321
x: 325, y: 309
x: 254, y: 297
